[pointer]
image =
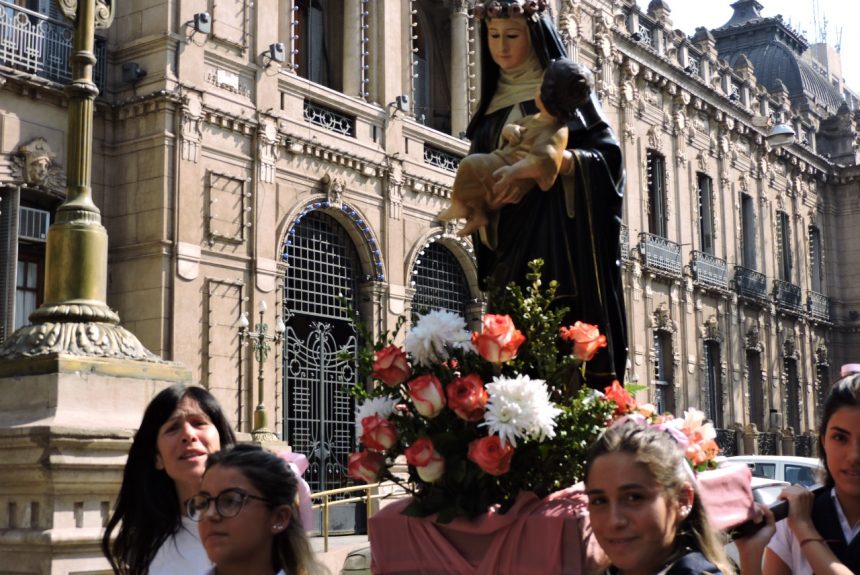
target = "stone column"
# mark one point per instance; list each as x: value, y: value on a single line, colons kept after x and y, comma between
x: 459, y: 67
x: 352, y: 35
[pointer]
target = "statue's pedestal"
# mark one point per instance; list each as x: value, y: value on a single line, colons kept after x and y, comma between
x: 66, y: 424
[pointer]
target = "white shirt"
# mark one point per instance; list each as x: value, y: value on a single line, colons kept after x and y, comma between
x: 181, y: 553
x: 787, y: 547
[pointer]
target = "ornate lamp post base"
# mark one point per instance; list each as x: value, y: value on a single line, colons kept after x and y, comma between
x: 89, y: 339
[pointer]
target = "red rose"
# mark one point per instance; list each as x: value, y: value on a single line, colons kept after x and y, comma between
x: 365, y: 466
x: 379, y: 434
x: 390, y: 366
x: 427, y: 395
x: 467, y: 397
x: 426, y: 460
x: 586, y: 339
x: 488, y: 454
x: 624, y: 402
x: 499, y: 340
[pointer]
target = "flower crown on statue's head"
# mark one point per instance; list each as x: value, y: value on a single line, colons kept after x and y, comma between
x: 509, y: 8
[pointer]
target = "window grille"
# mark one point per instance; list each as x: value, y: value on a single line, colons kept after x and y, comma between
x: 329, y: 119
x: 656, y: 174
x: 322, y: 264
x: 439, y: 282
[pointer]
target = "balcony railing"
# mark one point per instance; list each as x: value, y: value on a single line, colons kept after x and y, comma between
x: 660, y: 254
x: 787, y: 296
x: 330, y: 119
x: 708, y: 270
x: 818, y: 306
x: 440, y: 158
x: 750, y: 284
x: 33, y: 43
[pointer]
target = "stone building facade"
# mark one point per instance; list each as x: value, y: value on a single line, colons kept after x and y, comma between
x: 293, y: 152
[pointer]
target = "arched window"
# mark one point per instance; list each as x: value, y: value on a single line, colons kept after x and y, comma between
x: 439, y: 282
x: 322, y: 265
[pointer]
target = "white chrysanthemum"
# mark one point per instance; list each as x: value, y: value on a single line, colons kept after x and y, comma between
x: 433, y: 334
x: 519, y: 408
x: 382, y: 406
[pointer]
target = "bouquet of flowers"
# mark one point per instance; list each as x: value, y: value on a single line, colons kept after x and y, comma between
x: 480, y: 417
x: 696, y: 436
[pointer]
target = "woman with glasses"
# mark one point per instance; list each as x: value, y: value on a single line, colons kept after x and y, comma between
x: 181, y: 427
x: 247, y: 515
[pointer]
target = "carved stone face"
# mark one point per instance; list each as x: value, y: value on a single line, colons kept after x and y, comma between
x: 37, y: 168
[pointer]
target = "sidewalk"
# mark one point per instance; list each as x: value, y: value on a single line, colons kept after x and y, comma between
x: 339, y: 546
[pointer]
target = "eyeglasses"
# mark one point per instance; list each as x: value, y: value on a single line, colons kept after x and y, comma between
x: 228, y: 503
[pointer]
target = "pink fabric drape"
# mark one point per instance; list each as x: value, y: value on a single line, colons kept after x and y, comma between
x: 536, y: 536
x: 550, y: 536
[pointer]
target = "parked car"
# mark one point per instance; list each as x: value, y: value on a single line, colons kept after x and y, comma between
x: 794, y: 470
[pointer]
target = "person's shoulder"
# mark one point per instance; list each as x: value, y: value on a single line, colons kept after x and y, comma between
x: 693, y: 563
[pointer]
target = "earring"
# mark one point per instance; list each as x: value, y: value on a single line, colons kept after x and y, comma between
x: 684, y: 511
x: 277, y: 526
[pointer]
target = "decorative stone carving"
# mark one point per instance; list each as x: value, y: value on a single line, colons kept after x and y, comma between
x: 752, y: 339
x: 334, y: 188
x: 711, y: 330
x: 90, y: 339
x: 395, y: 189
x: 268, y: 149
x: 34, y: 165
x: 661, y: 319
x: 104, y: 11
x: 655, y: 138
x: 192, y: 127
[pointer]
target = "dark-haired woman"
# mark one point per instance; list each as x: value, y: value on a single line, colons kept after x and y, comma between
x: 822, y: 533
x: 575, y: 225
x: 181, y: 427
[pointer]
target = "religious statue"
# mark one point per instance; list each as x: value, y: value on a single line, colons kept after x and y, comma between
x: 532, y: 151
x: 574, y: 225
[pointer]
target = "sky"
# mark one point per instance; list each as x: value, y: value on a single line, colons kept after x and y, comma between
x: 687, y: 15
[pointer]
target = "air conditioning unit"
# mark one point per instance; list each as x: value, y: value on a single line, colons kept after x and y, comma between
x: 33, y: 224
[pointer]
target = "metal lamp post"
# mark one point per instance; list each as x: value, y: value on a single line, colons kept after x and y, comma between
x: 260, y: 338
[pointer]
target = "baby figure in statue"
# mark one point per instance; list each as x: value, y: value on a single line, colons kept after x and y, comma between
x: 531, y: 152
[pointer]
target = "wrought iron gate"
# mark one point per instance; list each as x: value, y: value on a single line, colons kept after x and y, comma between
x: 319, y: 352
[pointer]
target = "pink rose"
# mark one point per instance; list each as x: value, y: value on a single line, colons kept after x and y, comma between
x: 426, y: 460
x: 468, y: 397
x: 379, y: 434
x: 586, y: 339
x: 365, y: 466
x: 499, y: 340
x: 488, y: 454
x: 427, y: 395
x: 390, y: 366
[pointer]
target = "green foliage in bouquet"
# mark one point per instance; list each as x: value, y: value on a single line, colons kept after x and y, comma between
x: 479, y: 417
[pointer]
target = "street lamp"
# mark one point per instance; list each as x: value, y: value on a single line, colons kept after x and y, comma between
x: 260, y: 338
